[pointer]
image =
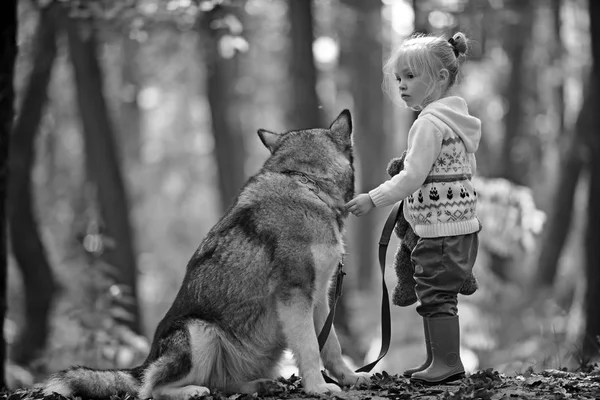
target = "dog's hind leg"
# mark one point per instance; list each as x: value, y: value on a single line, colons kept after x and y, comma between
x: 173, y: 375
x: 296, y: 315
x: 332, y: 351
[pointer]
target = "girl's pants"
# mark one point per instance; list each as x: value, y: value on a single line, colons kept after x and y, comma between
x: 441, y: 266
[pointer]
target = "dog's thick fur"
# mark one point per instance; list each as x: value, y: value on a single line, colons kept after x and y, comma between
x: 258, y: 284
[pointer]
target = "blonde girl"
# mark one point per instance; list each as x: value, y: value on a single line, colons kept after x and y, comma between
x: 439, y: 200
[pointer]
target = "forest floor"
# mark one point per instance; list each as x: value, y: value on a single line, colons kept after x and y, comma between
x: 485, y: 385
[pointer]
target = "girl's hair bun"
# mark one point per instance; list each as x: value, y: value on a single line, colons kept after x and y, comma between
x: 460, y: 43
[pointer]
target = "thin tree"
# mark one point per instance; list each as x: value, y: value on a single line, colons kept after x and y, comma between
x: 561, y: 211
x: 27, y: 245
x: 519, y: 20
x: 591, y: 344
x: 303, y: 112
x: 361, y: 56
x: 8, y: 54
x: 218, y: 29
x: 130, y: 115
x: 102, y: 162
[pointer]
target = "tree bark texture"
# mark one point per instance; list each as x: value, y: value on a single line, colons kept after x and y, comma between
x: 26, y: 243
x: 102, y: 161
x: 8, y: 54
x: 591, y: 343
x: 304, y: 110
x: 221, y: 80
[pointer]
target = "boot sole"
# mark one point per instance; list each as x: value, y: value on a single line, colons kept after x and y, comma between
x: 451, y: 378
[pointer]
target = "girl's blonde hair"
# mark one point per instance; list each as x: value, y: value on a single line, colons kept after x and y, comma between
x: 425, y: 54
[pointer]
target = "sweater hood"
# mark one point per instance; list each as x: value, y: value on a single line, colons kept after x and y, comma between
x: 453, y: 112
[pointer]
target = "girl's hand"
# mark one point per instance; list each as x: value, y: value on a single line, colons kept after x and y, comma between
x: 360, y: 205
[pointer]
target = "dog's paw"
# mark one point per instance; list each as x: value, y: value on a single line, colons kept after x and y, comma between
x: 323, y: 388
x: 192, y: 391
x: 188, y: 392
x: 355, y: 378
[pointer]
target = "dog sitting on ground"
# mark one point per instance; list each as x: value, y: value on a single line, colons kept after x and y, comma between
x: 258, y: 284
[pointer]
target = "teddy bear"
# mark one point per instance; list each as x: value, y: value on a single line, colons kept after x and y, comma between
x: 404, y: 292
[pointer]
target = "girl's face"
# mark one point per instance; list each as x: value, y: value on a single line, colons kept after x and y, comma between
x: 415, y: 86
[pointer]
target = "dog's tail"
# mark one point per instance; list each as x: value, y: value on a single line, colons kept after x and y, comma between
x: 90, y: 383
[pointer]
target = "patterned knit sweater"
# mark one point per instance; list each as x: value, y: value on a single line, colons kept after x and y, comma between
x: 439, y: 164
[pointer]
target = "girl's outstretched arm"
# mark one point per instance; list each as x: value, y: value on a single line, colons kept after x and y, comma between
x: 424, y: 146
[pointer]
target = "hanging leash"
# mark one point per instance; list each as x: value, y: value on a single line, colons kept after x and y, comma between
x: 386, y: 328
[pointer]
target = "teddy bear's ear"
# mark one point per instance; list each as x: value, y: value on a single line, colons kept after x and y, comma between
x: 396, y: 165
x: 403, y: 156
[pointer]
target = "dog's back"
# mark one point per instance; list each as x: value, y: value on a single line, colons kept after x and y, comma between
x: 255, y: 280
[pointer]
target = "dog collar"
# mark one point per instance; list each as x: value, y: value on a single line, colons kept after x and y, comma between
x: 310, y: 183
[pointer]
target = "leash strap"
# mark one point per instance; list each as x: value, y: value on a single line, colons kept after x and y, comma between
x: 386, y: 319
x: 339, y: 280
x: 386, y: 330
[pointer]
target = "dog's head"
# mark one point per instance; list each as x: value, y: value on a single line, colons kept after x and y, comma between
x: 325, y: 155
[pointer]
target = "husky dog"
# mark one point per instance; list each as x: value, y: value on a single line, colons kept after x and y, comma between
x: 258, y: 284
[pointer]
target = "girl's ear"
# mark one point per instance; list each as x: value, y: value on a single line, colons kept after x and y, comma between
x: 444, y: 75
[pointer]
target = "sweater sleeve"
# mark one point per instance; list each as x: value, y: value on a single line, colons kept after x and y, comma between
x: 424, y: 146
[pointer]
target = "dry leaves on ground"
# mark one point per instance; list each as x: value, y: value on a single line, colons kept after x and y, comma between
x: 484, y: 385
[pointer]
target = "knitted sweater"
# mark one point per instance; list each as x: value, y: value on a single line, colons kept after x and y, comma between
x: 439, y: 164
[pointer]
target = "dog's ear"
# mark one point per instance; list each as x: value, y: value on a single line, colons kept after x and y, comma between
x: 269, y: 139
x: 341, y: 128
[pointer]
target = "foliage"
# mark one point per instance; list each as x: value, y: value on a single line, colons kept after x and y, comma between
x: 125, y: 10
x: 102, y: 338
x: 511, y: 221
x: 89, y: 326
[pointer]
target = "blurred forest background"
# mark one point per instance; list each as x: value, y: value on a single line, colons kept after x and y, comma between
x: 135, y: 127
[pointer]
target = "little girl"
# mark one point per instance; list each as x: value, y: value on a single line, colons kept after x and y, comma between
x: 439, y: 198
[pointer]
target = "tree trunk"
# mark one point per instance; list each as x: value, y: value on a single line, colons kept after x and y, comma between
x: 8, y: 54
x: 26, y: 243
x: 102, y: 162
x: 362, y: 55
x: 559, y: 220
x: 556, y: 232
x: 221, y: 80
x: 304, y: 108
x: 591, y: 344
x: 513, y: 164
x: 557, y: 55
x: 130, y: 118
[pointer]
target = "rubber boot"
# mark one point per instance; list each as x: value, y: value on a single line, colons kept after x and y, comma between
x: 408, y: 373
x: 444, y: 339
